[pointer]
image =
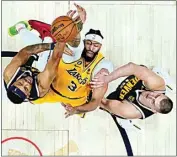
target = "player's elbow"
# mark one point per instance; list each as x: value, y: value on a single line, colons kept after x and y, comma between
x: 162, y: 82
x: 132, y: 65
x: 136, y: 69
x: 23, y: 53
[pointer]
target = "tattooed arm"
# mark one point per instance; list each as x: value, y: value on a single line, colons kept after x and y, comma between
x: 79, y: 20
x: 77, y: 39
x: 50, y: 70
x: 22, y: 57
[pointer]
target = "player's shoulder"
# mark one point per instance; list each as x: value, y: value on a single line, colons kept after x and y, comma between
x: 103, y: 64
x: 106, y: 64
x: 77, y: 54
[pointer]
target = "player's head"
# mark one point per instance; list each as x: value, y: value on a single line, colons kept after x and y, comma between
x: 92, y: 44
x: 20, y: 90
x: 158, y: 102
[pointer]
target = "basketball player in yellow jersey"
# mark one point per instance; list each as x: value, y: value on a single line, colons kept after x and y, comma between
x: 71, y: 84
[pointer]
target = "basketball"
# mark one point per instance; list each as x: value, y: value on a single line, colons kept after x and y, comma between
x: 63, y: 29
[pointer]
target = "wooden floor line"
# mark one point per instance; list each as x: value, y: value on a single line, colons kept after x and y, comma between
x: 31, y: 130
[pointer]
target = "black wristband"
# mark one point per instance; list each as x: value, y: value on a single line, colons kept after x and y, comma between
x: 52, y: 45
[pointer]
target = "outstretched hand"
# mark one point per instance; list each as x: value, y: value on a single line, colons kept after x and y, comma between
x: 81, y: 14
x: 99, y: 81
x: 69, y: 110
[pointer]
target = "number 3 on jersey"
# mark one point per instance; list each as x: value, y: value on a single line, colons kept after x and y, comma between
x: 73, y: 86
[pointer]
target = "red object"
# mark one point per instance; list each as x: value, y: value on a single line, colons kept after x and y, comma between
x: 42, y: 28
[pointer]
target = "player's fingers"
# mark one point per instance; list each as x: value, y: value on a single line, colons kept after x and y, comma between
x: 67, y: 115
x: 93, y: 83
x: 69, y: 12
x: 68, y: 51
x: 96, y: 86
x: 76, y: 5
x: 68, y: 108
x: 96, y: 83
x: 72, y: 13
x: 94, y: 79
x: 77, y: 19
x: 84, y: 19
x: 63, y: 104
x: 105, y: 73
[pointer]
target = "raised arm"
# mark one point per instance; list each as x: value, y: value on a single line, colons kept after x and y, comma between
x: 79, y: 20
x: 151, y: 80
x: 46, y: 77
x: 22, y: 57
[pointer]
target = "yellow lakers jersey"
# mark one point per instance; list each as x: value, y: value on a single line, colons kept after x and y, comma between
x: 72, y: 80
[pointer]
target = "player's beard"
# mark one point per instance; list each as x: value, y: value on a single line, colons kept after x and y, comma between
x: 87, y: 58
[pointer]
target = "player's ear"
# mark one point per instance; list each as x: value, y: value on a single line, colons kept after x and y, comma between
x: 154, y: 111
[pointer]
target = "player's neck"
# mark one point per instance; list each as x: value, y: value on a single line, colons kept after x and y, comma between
x: 87, y: 63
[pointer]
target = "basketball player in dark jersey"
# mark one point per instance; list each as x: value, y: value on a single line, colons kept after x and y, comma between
x: 139, y: 95
x: 22, y: 81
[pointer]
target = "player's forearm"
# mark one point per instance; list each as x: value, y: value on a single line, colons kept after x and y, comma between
x: 37, y: 48
x: 125, y: 70
x: 76, y: 41
x: 58, y: 50
x: 26, y: 52
x: 92, y: 105
x: 80, y: 25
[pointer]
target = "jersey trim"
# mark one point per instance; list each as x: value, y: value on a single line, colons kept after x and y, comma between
x: 62, y: 94
x: 70, y: 62
x: 13, y: 77
x: 96, y: 65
